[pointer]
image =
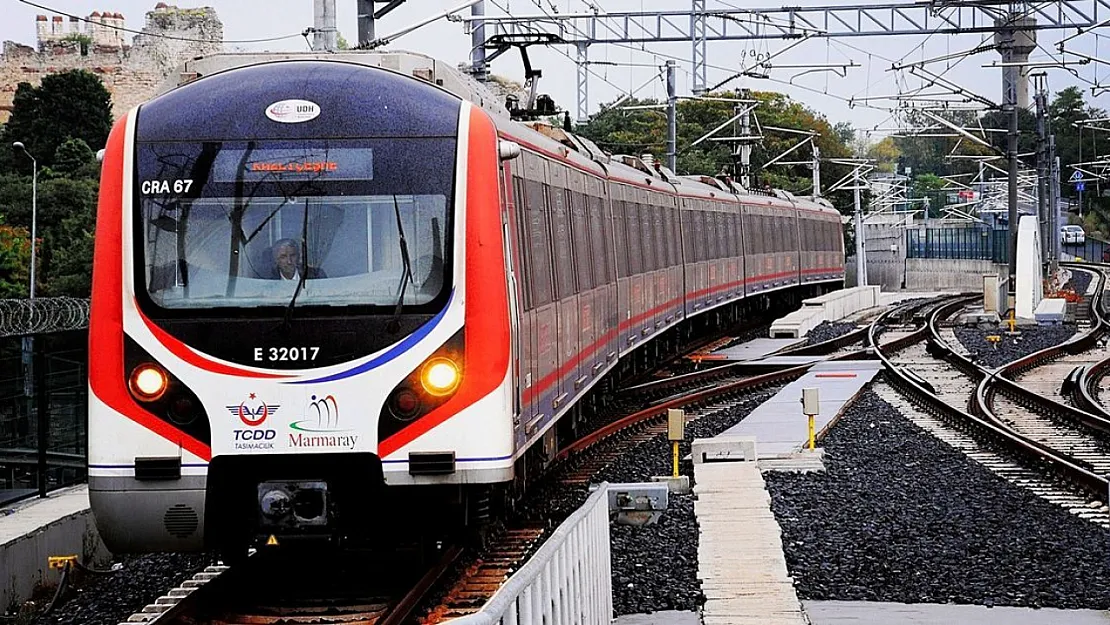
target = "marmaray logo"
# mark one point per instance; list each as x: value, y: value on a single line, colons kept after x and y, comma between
x: 254, y: 413
x: 321, y: 416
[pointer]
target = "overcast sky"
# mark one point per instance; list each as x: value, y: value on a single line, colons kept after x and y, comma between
x: 823, y: 91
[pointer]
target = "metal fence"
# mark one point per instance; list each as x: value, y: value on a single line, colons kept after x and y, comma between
x: 569, y: 580
x: 43, y: 413
x: 958, y: 243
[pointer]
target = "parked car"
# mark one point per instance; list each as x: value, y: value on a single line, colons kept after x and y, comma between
x: 1072, y: 235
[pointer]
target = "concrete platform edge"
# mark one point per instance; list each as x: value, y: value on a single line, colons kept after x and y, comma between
x: 23, y: 559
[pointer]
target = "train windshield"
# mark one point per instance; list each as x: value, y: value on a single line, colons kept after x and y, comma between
x: 282, y: 224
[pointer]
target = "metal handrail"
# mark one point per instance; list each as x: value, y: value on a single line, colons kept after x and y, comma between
x: 568, y: 580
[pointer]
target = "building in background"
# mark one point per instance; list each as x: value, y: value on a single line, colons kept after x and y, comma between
x: 131, y: 66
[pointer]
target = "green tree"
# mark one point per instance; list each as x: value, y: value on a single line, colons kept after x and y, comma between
x: 66, y: 209
x: 15, y: 262
x: 72, y: 104
x: 885, y: 153
x: 75, y: 159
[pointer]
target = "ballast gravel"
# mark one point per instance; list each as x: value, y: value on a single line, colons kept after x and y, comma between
x: 655, y: 567
x: 828, y: 330
x: 1031, y: 339
x: 900, y: 516
x: 111, y: 598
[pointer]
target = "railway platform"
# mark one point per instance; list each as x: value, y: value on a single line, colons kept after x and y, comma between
x: 31, y: 531
x: 779, y: 427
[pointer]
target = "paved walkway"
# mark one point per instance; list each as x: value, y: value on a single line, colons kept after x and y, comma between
x: 868, y: 613
x: 740, y: 560
x: 25, y: 517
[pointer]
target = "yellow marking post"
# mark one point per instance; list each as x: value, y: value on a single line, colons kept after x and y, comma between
x: 272, y: 541
x: 812, y: 441
x: 675, y: 443
x: 60, y: 562
x: 1012, y: 322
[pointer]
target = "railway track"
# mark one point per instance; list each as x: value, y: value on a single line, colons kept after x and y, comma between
x: 463, y: 579
x: 945, y: 384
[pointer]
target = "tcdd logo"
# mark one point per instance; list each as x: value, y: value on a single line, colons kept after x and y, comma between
x: 252, y: 414
x: 255, y: 435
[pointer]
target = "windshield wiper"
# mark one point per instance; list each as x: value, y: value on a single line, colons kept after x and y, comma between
x: 303, y: 269
x: 393, y: 326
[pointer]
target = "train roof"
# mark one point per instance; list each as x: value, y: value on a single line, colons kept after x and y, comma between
x: 576, y: 150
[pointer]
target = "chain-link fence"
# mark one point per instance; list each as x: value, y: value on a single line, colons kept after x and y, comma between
x: 43, y: 413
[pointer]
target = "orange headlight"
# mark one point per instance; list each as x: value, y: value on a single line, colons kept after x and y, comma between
x: 440, y: 377
x: 148, y: 382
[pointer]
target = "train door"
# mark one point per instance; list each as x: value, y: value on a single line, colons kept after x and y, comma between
x: 624, y: 281
x: 647, y: 264
x: 584, y: 314
x: 566, y: 317
x: 510, y: 187
x: 542, y: 379
x: 673, y: 273
x: 605, y: 273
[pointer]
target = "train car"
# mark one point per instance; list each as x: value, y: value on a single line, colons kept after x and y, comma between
x: 333, y: 301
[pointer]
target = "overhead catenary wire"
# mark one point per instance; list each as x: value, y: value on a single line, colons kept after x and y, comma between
x: 161, y: 35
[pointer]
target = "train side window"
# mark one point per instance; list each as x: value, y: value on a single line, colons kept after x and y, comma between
x: 621, y: 238
x: 721, y: 232
x: 763, y: 240
x: 635, y: 243
x: 647, y: 231
x: 583, y: 257
x: 734, y: 235
x: 600, y: 238
x: 708, y: 238
x: 522, y: 242
x: 660, y: 242
x: 539, y: 244
x: 561, y: 242
x: 669, y: 242
x: 686, y: 229
x: 697, y: 248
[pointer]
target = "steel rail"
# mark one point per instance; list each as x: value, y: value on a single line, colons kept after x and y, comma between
x: 404, y: 610
x: 1021, y: 449
x: 1001, y: 380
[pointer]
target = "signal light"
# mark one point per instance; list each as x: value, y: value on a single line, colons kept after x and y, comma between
x: 440, y: 377
x: 148, y: 382
x: 404, y: 404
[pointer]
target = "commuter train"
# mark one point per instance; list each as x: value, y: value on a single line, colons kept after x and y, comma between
x: 333, y: 300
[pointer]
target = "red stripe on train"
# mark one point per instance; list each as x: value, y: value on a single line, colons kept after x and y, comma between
x: 107, y: 377
x: 486, y: 362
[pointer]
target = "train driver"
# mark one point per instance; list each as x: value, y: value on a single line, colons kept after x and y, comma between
x: 287, y: 262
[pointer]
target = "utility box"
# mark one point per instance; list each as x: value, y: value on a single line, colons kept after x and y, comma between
x: 676, y: 424
x: 811, y: 404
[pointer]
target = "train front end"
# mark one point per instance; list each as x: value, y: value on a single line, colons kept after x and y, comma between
x: 300, y: 325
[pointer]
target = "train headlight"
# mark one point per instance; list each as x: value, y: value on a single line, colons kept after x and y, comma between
x: 148, y: 382
x: 440, y: 376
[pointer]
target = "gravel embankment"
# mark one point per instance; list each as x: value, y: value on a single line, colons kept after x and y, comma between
x: 828, y: 330
x: 112, y: 598
x: 1010, y: 348
x: 900, y: 516
x: 655, y: 567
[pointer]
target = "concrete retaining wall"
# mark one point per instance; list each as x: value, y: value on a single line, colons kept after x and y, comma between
x: 56, y: 526
x: 933, y: 274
